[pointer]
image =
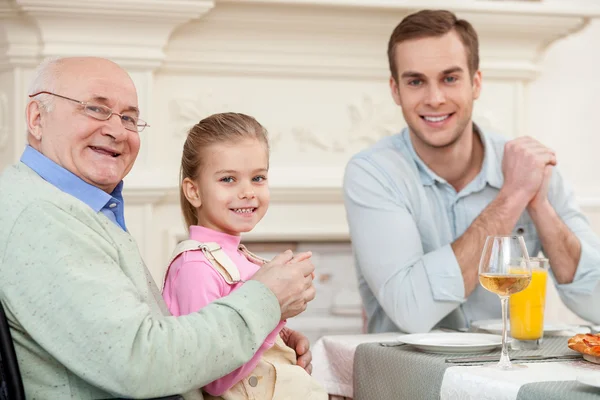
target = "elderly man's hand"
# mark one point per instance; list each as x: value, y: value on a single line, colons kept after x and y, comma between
x: 291, y: 283
x: 300, y: 344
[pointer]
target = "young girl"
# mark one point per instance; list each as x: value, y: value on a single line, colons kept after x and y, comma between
x: 224, y: 192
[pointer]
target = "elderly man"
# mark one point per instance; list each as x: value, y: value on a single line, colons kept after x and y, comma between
x: 85, y: 316
x: 421, y: 203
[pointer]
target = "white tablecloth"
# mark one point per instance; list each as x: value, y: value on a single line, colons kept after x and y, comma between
x: 333, y: 358
x: 483, y: 382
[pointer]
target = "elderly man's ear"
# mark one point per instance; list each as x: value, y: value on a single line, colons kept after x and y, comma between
x: 33, y: 116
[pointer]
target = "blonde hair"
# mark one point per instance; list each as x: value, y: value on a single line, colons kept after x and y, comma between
x: 215, y: 129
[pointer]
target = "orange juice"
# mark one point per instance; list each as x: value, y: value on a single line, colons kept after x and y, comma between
x: 527, y: 308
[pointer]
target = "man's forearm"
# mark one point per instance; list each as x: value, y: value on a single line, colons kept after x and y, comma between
x: 498, y: 218
x: 560, y: 245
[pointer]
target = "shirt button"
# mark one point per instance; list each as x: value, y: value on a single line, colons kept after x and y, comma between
x: 112, y: 205
x: 253, y: 381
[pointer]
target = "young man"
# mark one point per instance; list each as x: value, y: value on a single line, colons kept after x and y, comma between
x: 86, y: 318
x: 420, y: 204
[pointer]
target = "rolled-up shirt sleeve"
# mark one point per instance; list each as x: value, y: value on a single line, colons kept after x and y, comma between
x: 416, y: 290
x: 584, y: 292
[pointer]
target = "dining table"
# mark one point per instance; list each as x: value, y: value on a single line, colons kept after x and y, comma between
x: 382, y: 366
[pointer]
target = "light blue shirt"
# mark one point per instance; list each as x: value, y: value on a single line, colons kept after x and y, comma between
x: 110, y: 205
x: 403, y: 218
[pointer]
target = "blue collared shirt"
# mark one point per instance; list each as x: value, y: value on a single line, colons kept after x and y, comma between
x: 403, y: 218
x: 110, y: 205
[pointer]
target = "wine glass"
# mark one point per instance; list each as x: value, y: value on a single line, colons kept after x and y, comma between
x: 504, y: 269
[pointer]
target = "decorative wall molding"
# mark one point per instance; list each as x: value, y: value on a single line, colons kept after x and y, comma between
x: 186, y: 112
x: 19, y: 41
x: 279, y: 195
x: 118, y: 10
x: 346, y: 39
x: 573, y: 8
x: 130, y: 32
x: 370, y: 120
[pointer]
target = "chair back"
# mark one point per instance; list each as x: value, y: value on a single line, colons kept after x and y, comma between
x: 11, y: 385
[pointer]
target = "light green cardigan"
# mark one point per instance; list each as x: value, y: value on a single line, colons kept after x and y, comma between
x: 84, y: 320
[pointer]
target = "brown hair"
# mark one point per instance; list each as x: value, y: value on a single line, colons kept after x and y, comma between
x: 433, y: 23
x: 215, y: 129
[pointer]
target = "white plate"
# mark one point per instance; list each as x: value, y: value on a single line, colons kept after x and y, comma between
x: 495, y: 326
x: 590, y: 379
x: 590, y: 358
x: 452, y: 342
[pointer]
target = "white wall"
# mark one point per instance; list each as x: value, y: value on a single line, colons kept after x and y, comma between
x: 564, y: 109
x: 564, y: 106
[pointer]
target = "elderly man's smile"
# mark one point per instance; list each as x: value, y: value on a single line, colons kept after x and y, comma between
x: 106, y: 151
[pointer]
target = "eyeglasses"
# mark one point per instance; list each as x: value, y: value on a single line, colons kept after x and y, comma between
x: 103, y: 113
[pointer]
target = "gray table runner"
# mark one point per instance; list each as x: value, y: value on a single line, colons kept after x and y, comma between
x: 558, y: 390
x: 396, y: 373
x: 407, y: 373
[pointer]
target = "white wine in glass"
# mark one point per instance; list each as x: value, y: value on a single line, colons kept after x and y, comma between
x: 504, y: 269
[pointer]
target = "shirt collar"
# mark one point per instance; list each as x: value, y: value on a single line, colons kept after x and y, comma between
x: 427, y: 176
x: 491, y: 168
x: 491, y: 172
x: 203, y: 234
x: 68, y: 182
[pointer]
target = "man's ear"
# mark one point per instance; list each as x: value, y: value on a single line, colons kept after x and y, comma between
x: 191, y: 192
x: 476, y: 85
x: 395, y: 91
x: 33, y: 117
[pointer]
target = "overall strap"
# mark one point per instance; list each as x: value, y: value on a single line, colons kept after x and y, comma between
x: 219, y: 260
x: 253, y: 258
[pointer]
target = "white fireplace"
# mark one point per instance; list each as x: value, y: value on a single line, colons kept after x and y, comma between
x: 314, y: 72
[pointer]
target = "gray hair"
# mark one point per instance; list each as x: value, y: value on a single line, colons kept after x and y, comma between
x: 45, y: 79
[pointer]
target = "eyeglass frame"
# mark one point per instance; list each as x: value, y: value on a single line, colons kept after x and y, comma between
x: 140, y: 128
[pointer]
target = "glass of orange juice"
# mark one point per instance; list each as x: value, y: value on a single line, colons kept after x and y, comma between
x: 527, y: 308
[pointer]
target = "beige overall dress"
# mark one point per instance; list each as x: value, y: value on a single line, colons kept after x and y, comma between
x: 276, y: 377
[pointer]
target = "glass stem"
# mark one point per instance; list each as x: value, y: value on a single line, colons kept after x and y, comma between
x: 504, y: 360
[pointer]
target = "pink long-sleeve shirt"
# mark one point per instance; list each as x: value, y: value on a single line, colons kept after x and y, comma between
x: 192, y: 283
